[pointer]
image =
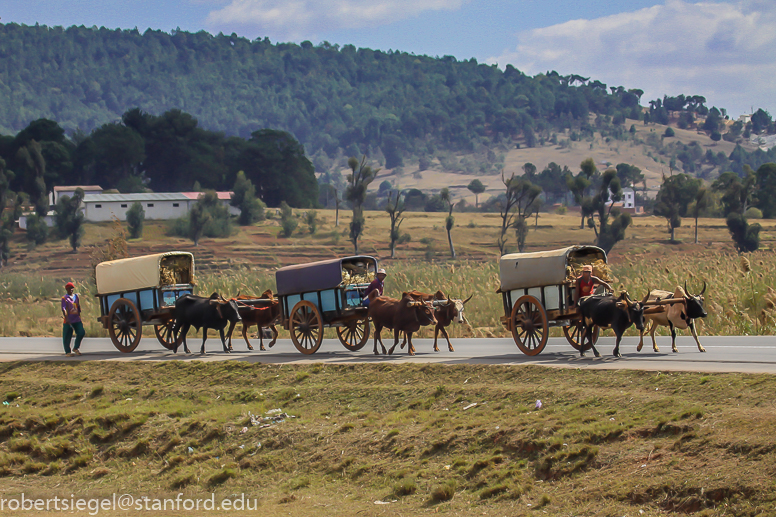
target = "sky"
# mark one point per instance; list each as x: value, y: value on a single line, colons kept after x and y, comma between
x: 723, y: 50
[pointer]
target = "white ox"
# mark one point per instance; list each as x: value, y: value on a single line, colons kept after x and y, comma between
x: 678, y: 315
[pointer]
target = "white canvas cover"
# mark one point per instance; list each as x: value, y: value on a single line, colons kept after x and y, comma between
x: 135, y: 273
x: 542, y: 268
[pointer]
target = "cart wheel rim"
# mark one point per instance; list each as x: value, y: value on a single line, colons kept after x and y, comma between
x: 354, y: 335
x: 125, y: 325
x: 306, y: 327
x: 574, y: 332
x: 165, y: 336
x: 530, y: 328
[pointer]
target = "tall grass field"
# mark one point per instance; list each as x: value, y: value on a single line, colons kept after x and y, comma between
x: 740, y: 297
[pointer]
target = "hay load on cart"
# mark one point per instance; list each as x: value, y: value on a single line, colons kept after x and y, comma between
x: 326, y: 294
x: 538, y: 292
x: 142, y: 291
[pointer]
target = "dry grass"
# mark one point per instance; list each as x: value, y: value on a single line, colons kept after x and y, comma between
x: 738, y: 303
x: 604, y: 443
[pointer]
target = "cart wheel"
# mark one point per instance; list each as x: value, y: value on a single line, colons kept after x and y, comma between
x: 354, y: 335
x: 574, y: 332
x: 165, y: 336
x: 124, y: 328
x: 306, y: 327
x: 529, y: 325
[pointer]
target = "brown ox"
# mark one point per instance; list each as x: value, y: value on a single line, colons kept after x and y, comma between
x: 680, y: 315
x: 405, y: 315
x: 447, y: 310
x: 264, y: 316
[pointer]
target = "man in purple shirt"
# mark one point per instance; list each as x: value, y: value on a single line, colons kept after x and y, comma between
x: 71, y: 310
x: 376, y: 285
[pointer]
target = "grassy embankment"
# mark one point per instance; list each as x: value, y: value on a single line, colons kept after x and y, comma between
x: 619, y: 443
x: 738, y: 303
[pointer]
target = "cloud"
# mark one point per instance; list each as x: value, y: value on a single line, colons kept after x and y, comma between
x: 299, y: 19
x: 724, y: 51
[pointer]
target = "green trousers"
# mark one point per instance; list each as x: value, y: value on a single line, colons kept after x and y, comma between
x: 67, y: 335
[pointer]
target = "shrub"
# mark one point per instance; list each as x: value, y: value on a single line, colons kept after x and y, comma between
x: 288, y: 221
x: 753, y: 213
x: 561, y: 210
x: 135, y: 219
x: 37, y: 231
x: 443, y: 492
x: 669, y: 132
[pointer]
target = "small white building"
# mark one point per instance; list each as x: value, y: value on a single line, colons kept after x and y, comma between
x: 157, y: 205
x: 70, y: 191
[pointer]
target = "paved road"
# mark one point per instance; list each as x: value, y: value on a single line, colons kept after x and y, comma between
x: 724, y: 354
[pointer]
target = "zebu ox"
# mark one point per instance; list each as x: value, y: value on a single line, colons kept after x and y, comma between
x: 204, y: 313
x: 405, y: 315
x: 263, y: 317
x: 607, y: 311
x: 680, y: 315
x: 447, y: 310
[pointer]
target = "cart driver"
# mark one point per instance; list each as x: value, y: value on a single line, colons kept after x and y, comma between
x: 376, y: 285
x: 586, y: 283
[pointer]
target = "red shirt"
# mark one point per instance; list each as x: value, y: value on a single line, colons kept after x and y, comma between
x: 377, y: 285
x: 586, y: 288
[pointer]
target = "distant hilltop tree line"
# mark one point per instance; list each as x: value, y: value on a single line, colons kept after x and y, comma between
x: 336, y: 101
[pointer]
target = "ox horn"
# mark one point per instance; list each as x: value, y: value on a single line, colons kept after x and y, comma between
x: 704, y: 288
x: 646, y: 298
x: 686, y: 291
x: 469, y: 298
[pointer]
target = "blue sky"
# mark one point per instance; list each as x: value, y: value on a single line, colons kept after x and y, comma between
x: 724, y: 50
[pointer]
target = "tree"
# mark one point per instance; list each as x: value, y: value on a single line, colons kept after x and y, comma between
x: 737, y: 192
x: 355, y: 194
x: 578, y: 186
x: 444, y: 194
x: 69, y: 220
x: 675, y: 195
x: 766, y: 189
x: 135, y: 219
x: 208, y: 217
x: 476, y: 187
x: 612, y: 222
x: 520, y: 194
x: 746, y: 237
x: 31, y: 159
x: 669, y: 132
x: 288, y: 222
x: 395, y: 208
x: 311, y: 220
x: 701, y: 204
x: 37, y: 231
x: 244, y: 198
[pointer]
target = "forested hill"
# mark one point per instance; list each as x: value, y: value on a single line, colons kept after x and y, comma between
x: 330, y: 98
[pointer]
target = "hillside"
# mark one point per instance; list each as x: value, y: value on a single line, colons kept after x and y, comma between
x: 333, y: 100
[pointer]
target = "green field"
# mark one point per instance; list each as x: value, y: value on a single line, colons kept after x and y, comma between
x: 613, y: 443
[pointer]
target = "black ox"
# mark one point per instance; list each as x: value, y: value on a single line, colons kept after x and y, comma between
x: 204, y: 313
x: 610, y: 312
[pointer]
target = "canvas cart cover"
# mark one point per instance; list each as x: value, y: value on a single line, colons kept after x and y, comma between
x: 315, y: 276
x: 543, y: 268
x: 134, y: 273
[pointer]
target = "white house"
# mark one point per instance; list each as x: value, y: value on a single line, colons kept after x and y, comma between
x: 628, y: 202
x: 157, y: 205
x: 70, y: 190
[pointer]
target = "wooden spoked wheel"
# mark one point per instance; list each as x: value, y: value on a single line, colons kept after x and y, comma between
x: 165, y: 335
x: 529, y: 325
x: 354, y: 335
x: 306, y: 327
x: 574, y: 334
x: 124, y: 325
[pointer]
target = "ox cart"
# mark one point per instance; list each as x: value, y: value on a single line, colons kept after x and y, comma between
x: 326, y: 294
x: 142, y: 291
x: 538, y: 293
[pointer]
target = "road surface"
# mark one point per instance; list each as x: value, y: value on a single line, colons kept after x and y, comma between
x: 723, y: 354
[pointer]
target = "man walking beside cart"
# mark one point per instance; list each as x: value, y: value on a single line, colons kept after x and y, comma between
x: 71, y: 310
